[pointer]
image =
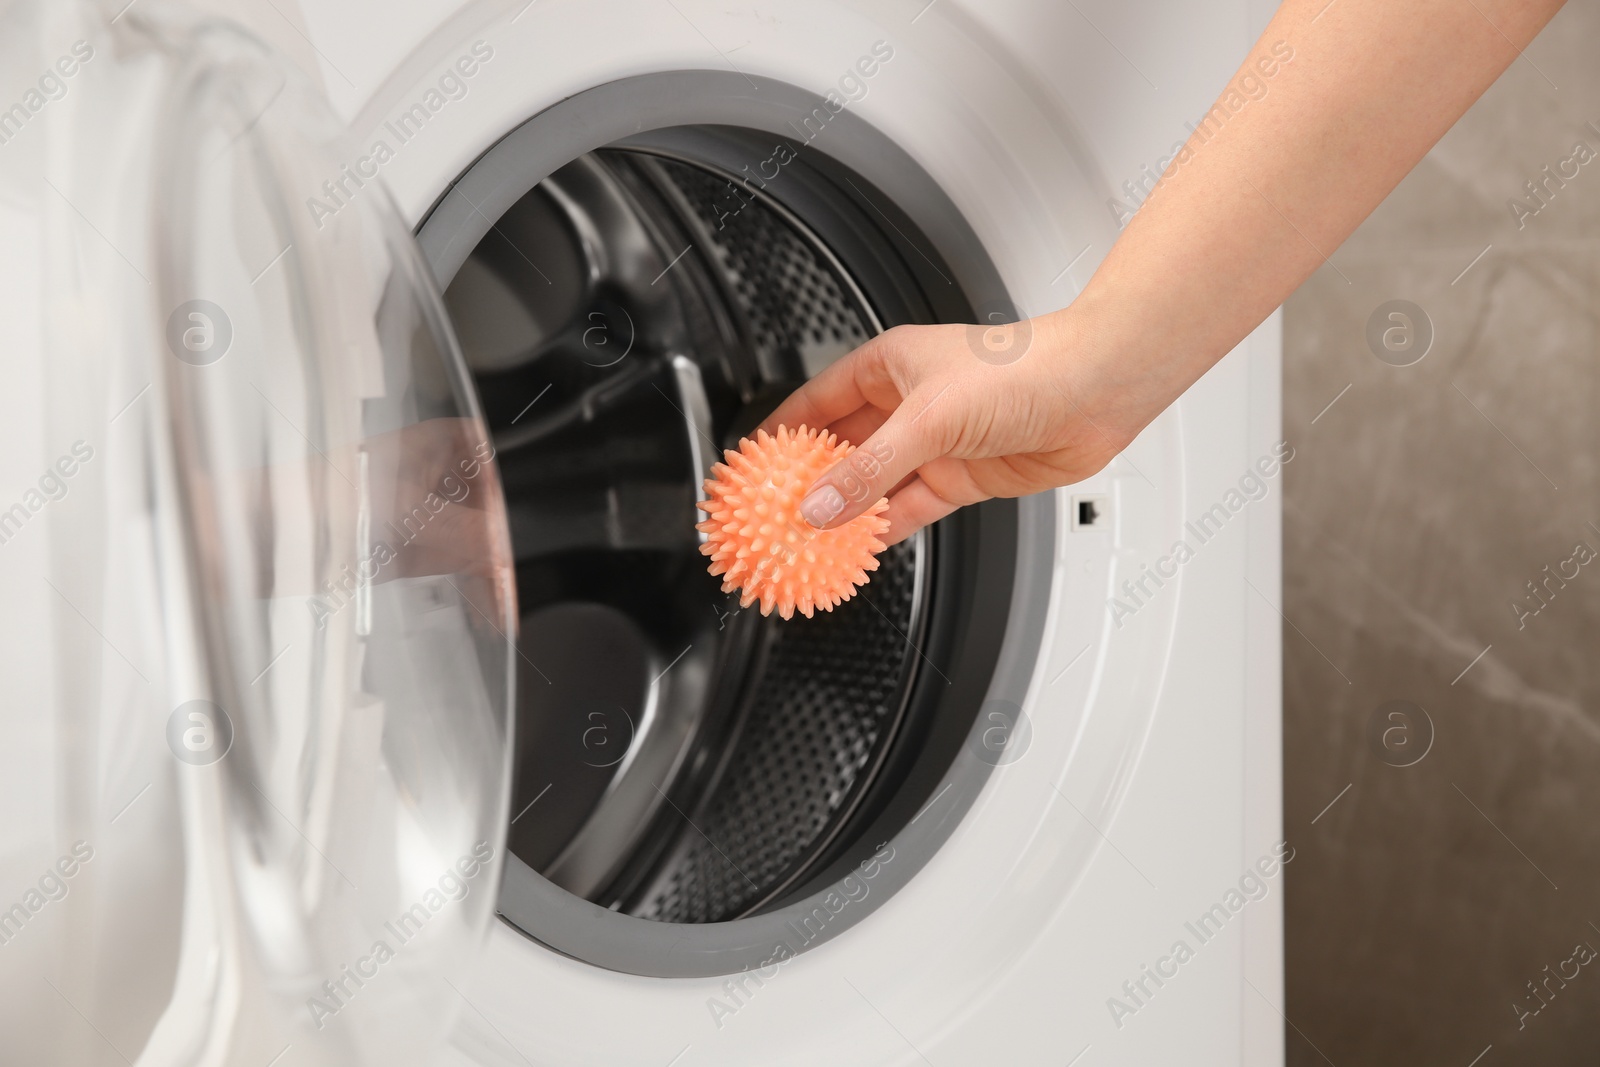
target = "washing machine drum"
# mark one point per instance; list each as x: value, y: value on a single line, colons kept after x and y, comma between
x: 679, y: 758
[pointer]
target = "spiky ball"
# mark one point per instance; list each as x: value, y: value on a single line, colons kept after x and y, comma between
x: 759, y: 543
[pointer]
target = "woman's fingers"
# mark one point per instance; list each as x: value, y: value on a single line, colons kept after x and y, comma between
x: 858, y: 425
x: 913, y: 507
x: 902, y: 444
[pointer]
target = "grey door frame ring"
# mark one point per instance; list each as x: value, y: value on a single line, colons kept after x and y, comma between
x: 685, y: 114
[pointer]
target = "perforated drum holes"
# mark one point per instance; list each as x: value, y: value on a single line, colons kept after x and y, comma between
x: 787, y: 293
x: 1002, y: 734
x: 199, y: 732
x: 1399, y: 333
x: 824, y: 712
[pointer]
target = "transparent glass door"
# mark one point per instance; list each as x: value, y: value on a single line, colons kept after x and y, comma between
x: 262, y: 634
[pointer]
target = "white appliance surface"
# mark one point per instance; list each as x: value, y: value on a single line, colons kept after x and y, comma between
x: 1149, y: 793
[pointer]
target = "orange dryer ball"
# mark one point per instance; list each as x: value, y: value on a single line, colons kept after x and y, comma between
x: 759, y: 543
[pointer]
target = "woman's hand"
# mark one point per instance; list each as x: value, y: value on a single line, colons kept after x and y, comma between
x: 945, y: 416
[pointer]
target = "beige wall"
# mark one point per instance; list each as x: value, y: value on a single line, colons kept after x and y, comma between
x: 1420, y: 504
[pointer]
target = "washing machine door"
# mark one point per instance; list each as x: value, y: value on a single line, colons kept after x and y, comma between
x: 255, y: 564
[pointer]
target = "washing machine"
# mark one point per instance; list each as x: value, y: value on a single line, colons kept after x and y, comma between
x: 370, y: 701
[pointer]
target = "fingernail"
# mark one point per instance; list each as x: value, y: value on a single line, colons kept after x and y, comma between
x: 822, y: 506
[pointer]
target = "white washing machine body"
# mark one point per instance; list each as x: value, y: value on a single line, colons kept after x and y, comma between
x: 1150, y: 787
x: 1107, y: 889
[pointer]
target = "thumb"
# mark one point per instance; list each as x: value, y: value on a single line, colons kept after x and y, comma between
x: 854, y: 484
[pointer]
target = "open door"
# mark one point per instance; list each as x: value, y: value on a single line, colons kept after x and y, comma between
x: 259, y: 611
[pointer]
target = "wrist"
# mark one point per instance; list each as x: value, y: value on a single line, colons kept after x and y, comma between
x: 1120, y: 368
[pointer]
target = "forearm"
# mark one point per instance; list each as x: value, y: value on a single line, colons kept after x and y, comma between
x: 1271, y: 182
x: 1261, y: 195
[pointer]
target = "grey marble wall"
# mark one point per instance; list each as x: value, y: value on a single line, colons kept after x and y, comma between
x: 1434, y: 883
